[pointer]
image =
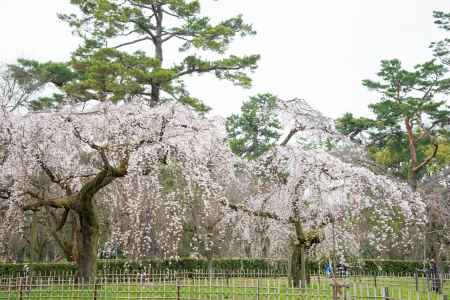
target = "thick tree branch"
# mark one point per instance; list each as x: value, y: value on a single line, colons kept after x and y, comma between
x: 59, y: 202
x: 289, y: 137
x: 250, y: 212
x: 428, y: 159
x: 102, y: 179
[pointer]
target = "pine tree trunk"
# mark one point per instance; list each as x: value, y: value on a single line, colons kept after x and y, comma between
x: 157, y: 41
x: 155, y: 94
x: 412, y: 176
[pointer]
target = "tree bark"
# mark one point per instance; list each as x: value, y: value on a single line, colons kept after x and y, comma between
x: 412, y: 176
x: 416, y: 166
x: 298, y: 253
x: 155, y: 93
x: 83, y: 203
x: 297, y: 265
x: 34, y: 245
x: 88, y: 245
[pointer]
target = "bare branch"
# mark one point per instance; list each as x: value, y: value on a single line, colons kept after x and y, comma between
x: 53, y: 178
x: 131, y: 42
x: 99, y: 149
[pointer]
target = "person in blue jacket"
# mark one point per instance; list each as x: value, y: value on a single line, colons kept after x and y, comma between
x: 328, y: 269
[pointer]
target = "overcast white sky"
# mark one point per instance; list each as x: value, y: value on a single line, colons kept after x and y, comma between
x: 319, y: 50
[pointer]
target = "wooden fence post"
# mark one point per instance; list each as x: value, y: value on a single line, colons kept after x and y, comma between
x: 257, y: 288
x: 95, y: 288
x: 20, y: 288
x: 178, y: 289
x: 416, y: 276
x: 335, y: 290
x: 339, y: 289
x: 385, y: 293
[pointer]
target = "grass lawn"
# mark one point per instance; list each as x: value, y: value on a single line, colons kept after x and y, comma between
x: 227, y: 288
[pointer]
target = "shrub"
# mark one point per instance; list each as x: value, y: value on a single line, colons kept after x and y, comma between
x: 275, y: 266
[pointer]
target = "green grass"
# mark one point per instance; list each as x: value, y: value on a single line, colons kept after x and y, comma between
x: 231, y: 288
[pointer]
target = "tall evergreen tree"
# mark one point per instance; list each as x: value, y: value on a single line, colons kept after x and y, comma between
x: 410, y: 117
x: 441, y: 48
x: 256, y: 129
x: 111, y: 29
x: 32, y: 76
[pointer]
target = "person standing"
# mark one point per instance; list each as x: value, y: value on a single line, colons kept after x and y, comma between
x: 435, y: 279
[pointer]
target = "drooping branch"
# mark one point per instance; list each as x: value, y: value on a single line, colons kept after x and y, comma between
x: 59, y: 202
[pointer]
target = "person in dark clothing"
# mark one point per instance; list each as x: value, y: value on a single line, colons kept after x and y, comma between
x: 435, y: 279
x: 342, y: 270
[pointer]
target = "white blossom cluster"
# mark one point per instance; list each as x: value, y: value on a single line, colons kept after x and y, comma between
x: 182, y: 180
x: 316, y: 188
x: 168, y: 143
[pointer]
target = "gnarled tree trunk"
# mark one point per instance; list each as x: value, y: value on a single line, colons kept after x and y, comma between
x: 83, y: 204
x: 297, y: 264
x: 88, y: 244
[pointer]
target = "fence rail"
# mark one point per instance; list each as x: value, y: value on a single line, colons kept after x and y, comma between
x: 224, y: 285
